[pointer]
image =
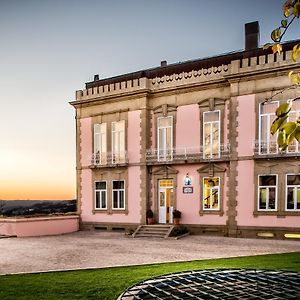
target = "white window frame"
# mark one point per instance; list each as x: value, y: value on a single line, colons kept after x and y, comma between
x: 269, y: 123
x: 210, y: 194
x: 165, y: 149
x: 297, y: 149
x: 118, y: 190
x: 267, y: 198
x: 211, y: 155
x: 286, y: 193
x: 100, y: 157
x: 116, y: 156
x: 100, y: 195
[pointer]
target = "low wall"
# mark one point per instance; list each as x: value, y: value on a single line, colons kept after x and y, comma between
x: 39, y: 226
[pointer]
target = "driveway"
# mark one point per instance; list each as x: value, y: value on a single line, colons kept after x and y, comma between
x: 92, y: 249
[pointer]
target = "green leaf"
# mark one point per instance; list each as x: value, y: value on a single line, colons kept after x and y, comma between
x: 289, y: 127
x: 284, y: 23
x: 283, y: 109
x: 277, y: 123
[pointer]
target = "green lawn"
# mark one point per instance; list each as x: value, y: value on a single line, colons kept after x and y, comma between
x: 110, y: 282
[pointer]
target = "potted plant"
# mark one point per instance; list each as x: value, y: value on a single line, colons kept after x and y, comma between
x: 176, y: 216
x: 150, y: 217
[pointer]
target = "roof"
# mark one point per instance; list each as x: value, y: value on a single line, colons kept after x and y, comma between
x: 189, y: 65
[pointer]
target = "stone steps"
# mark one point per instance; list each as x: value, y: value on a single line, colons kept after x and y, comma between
x: 156, y: 231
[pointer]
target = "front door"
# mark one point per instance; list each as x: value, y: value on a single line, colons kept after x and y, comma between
x: 165, y: 199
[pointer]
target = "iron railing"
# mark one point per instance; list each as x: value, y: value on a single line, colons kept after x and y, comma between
x: 186, y: 153
x: 109, y: 158
x: 271, y: 148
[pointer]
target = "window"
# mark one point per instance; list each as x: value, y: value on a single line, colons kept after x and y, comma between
x: 165, y: 138
x: 211, y: 193
x: 118, y: 142
x: 267, y: 142
x: 100, y: 149
x: 211, y: 134
x: 267, y: 192
x: 100, y: 195
x: 118, y: 194
x: 293, y: 116
x: 293, y: 192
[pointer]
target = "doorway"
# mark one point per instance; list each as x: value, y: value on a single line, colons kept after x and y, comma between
x: 165, y: 201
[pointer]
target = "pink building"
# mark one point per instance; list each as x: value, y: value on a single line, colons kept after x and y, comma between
x: 191, y: 136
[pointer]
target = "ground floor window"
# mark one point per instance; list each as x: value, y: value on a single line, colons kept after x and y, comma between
x: 267, y: 192
x: 100, y: 195
x: 118, y: 194
x: 292, y: 192
x: 211, y: 193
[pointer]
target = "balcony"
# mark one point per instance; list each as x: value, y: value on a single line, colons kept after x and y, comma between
x: 270, y: 149
x: 186, y: 154
x: 109, y: 159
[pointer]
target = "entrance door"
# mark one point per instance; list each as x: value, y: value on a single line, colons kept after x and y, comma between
x: 165, y: 198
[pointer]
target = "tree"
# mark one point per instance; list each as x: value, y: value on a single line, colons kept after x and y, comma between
x: 287, y: 131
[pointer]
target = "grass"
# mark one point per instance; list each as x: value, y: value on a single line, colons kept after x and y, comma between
x: 109, y: 283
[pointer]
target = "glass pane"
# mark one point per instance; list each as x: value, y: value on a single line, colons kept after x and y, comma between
x: 211, y: 116
x: 293, y: 179
x: 207, y: 131
x: 165, y: 122
x: 121, y: 184
x: 103, y: 198
x: 161, y: 139
x: 262, y: 198
x: 115, y: 185
x: 298, y: 198
x: 162, y: 199
x: 268, y: 108
x: 215, y: 139
x: 267, y: 180
x: 97, y: 185
x: 115, y: 199
x: 98, y: 200
x: 272, y: 197
x: 169, y: 138
x: 121, y: 200
x: 102, y: 185
x: 264, y: 131
x: 215, y: 198
x: 290, y: 198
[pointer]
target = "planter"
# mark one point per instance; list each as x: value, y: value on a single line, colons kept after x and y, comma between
x: 176, y: 221
x: 150, y: 221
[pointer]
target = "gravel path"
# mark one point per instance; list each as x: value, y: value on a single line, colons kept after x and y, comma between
x: 88, y: 249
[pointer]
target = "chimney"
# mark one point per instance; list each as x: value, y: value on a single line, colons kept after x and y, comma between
x: 251, y: 35
x: 163, y: 63
x: 96, y: 77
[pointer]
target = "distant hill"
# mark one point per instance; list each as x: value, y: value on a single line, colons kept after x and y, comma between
x: 36, y: 207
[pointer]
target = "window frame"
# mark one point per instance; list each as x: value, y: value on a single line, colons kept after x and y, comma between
x: 203, y: 193
x: 118, y: 200
x: 267, y: 201
x: 100, y: 136
x: 95, y: 195
x: 286, y: 193
x: 211, y: 155
x: 165, y: 149
x: 116, y: 157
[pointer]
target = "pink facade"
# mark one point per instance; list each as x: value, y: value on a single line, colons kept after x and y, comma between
x: 193, y: 137
x: 38, y: 226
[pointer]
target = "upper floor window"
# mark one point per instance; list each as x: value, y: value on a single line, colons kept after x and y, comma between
x: 100, y: 195
x: 100, y: 143
x: 118, y: 194
x: 293, y: 116
x: 165, y: 138
x: 211, y: 193
x: 211, y: 134
x: 293, y: 192
x: 267, y: 192
x: 267, y: 142
x: 118, y: 141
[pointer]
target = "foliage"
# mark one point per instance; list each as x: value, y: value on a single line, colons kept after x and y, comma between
x: 287, y: 131
x: 176, y: 214
x: 109, y: 283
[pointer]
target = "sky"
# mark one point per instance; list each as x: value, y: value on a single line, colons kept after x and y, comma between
x: 49, y: 49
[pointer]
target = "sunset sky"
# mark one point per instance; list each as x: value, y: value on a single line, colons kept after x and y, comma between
x: 51, y: 48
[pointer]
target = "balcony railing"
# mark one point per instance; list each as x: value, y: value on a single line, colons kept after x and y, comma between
x: 109, y: 158
x: 186, y: 154
x: 270, y: 148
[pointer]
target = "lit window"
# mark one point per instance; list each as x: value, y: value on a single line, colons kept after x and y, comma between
x: 211, y: 134
x: 100, y: 195
x: 267, y: 142
x: 100, y: 149
x: 118, y: 142
x: 165, y: 138
x: 267, y: 192
x: 118, y: 192
x: 293, y: 192
x: 211, y: 193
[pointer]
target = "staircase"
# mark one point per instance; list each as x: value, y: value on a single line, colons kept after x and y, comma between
x: 153, y: 231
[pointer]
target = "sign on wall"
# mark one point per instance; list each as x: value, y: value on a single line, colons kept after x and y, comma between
x: 187, y: 189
